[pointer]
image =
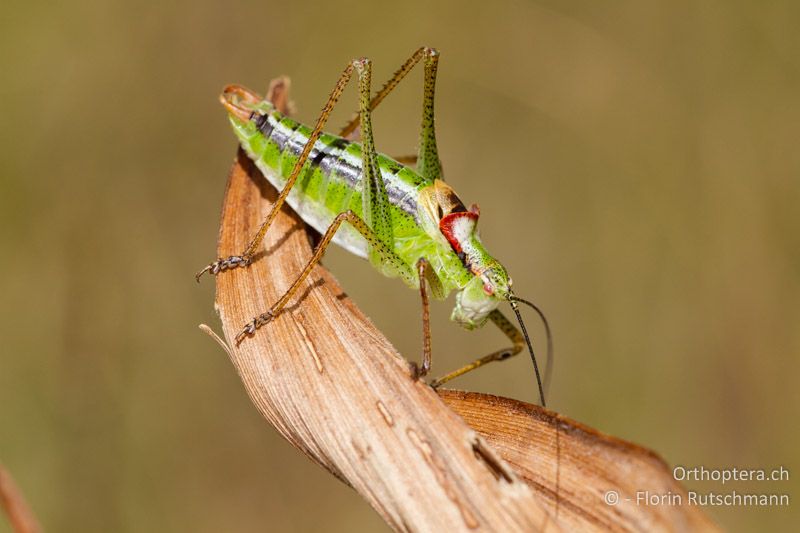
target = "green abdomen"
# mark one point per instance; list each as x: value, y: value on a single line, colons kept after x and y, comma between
x: 330, y: 183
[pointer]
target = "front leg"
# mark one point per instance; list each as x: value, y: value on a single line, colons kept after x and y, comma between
x: 424, y: 272
x: 511, y: 332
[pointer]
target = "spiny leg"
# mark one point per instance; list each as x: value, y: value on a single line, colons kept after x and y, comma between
x: 386, y: 254
x: 388, y: 87
x: 428, y: 159
x: 376, y: 208
x: 375, y: 203
x: 376, y: 227
x: 511, y: 332
x: 246, y: 257
x: 429, y: 164
x: 423, y: 270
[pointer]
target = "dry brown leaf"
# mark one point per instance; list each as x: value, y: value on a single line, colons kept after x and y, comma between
x: 336, y: 389
x: 575, y: 467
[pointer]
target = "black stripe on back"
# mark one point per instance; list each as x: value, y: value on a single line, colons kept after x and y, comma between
x: 264, y: 126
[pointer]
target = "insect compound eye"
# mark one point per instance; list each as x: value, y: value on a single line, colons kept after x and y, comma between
x: 488, y: 288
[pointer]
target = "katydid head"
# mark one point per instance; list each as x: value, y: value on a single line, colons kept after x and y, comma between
x: 474, y: 302
x: 482, y: 295
x: 490, y: 284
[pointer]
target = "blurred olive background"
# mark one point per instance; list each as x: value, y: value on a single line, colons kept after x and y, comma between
x: 637, y: 167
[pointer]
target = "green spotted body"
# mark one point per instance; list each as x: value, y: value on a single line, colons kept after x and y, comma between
x: 407, y: 222
x: 331, y: 183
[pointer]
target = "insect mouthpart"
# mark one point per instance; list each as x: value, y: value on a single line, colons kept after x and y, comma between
x: 488, y: 288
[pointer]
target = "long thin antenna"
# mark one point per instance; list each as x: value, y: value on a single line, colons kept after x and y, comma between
x: 548, y: 371
x: 515, y: 307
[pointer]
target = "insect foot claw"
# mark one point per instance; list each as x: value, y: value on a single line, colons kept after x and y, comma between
x: 223, y: 264
x: 251, y: 327
x: 417, y: 371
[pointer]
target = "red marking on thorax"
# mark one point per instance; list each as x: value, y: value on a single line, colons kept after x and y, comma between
x: 458, y: 225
